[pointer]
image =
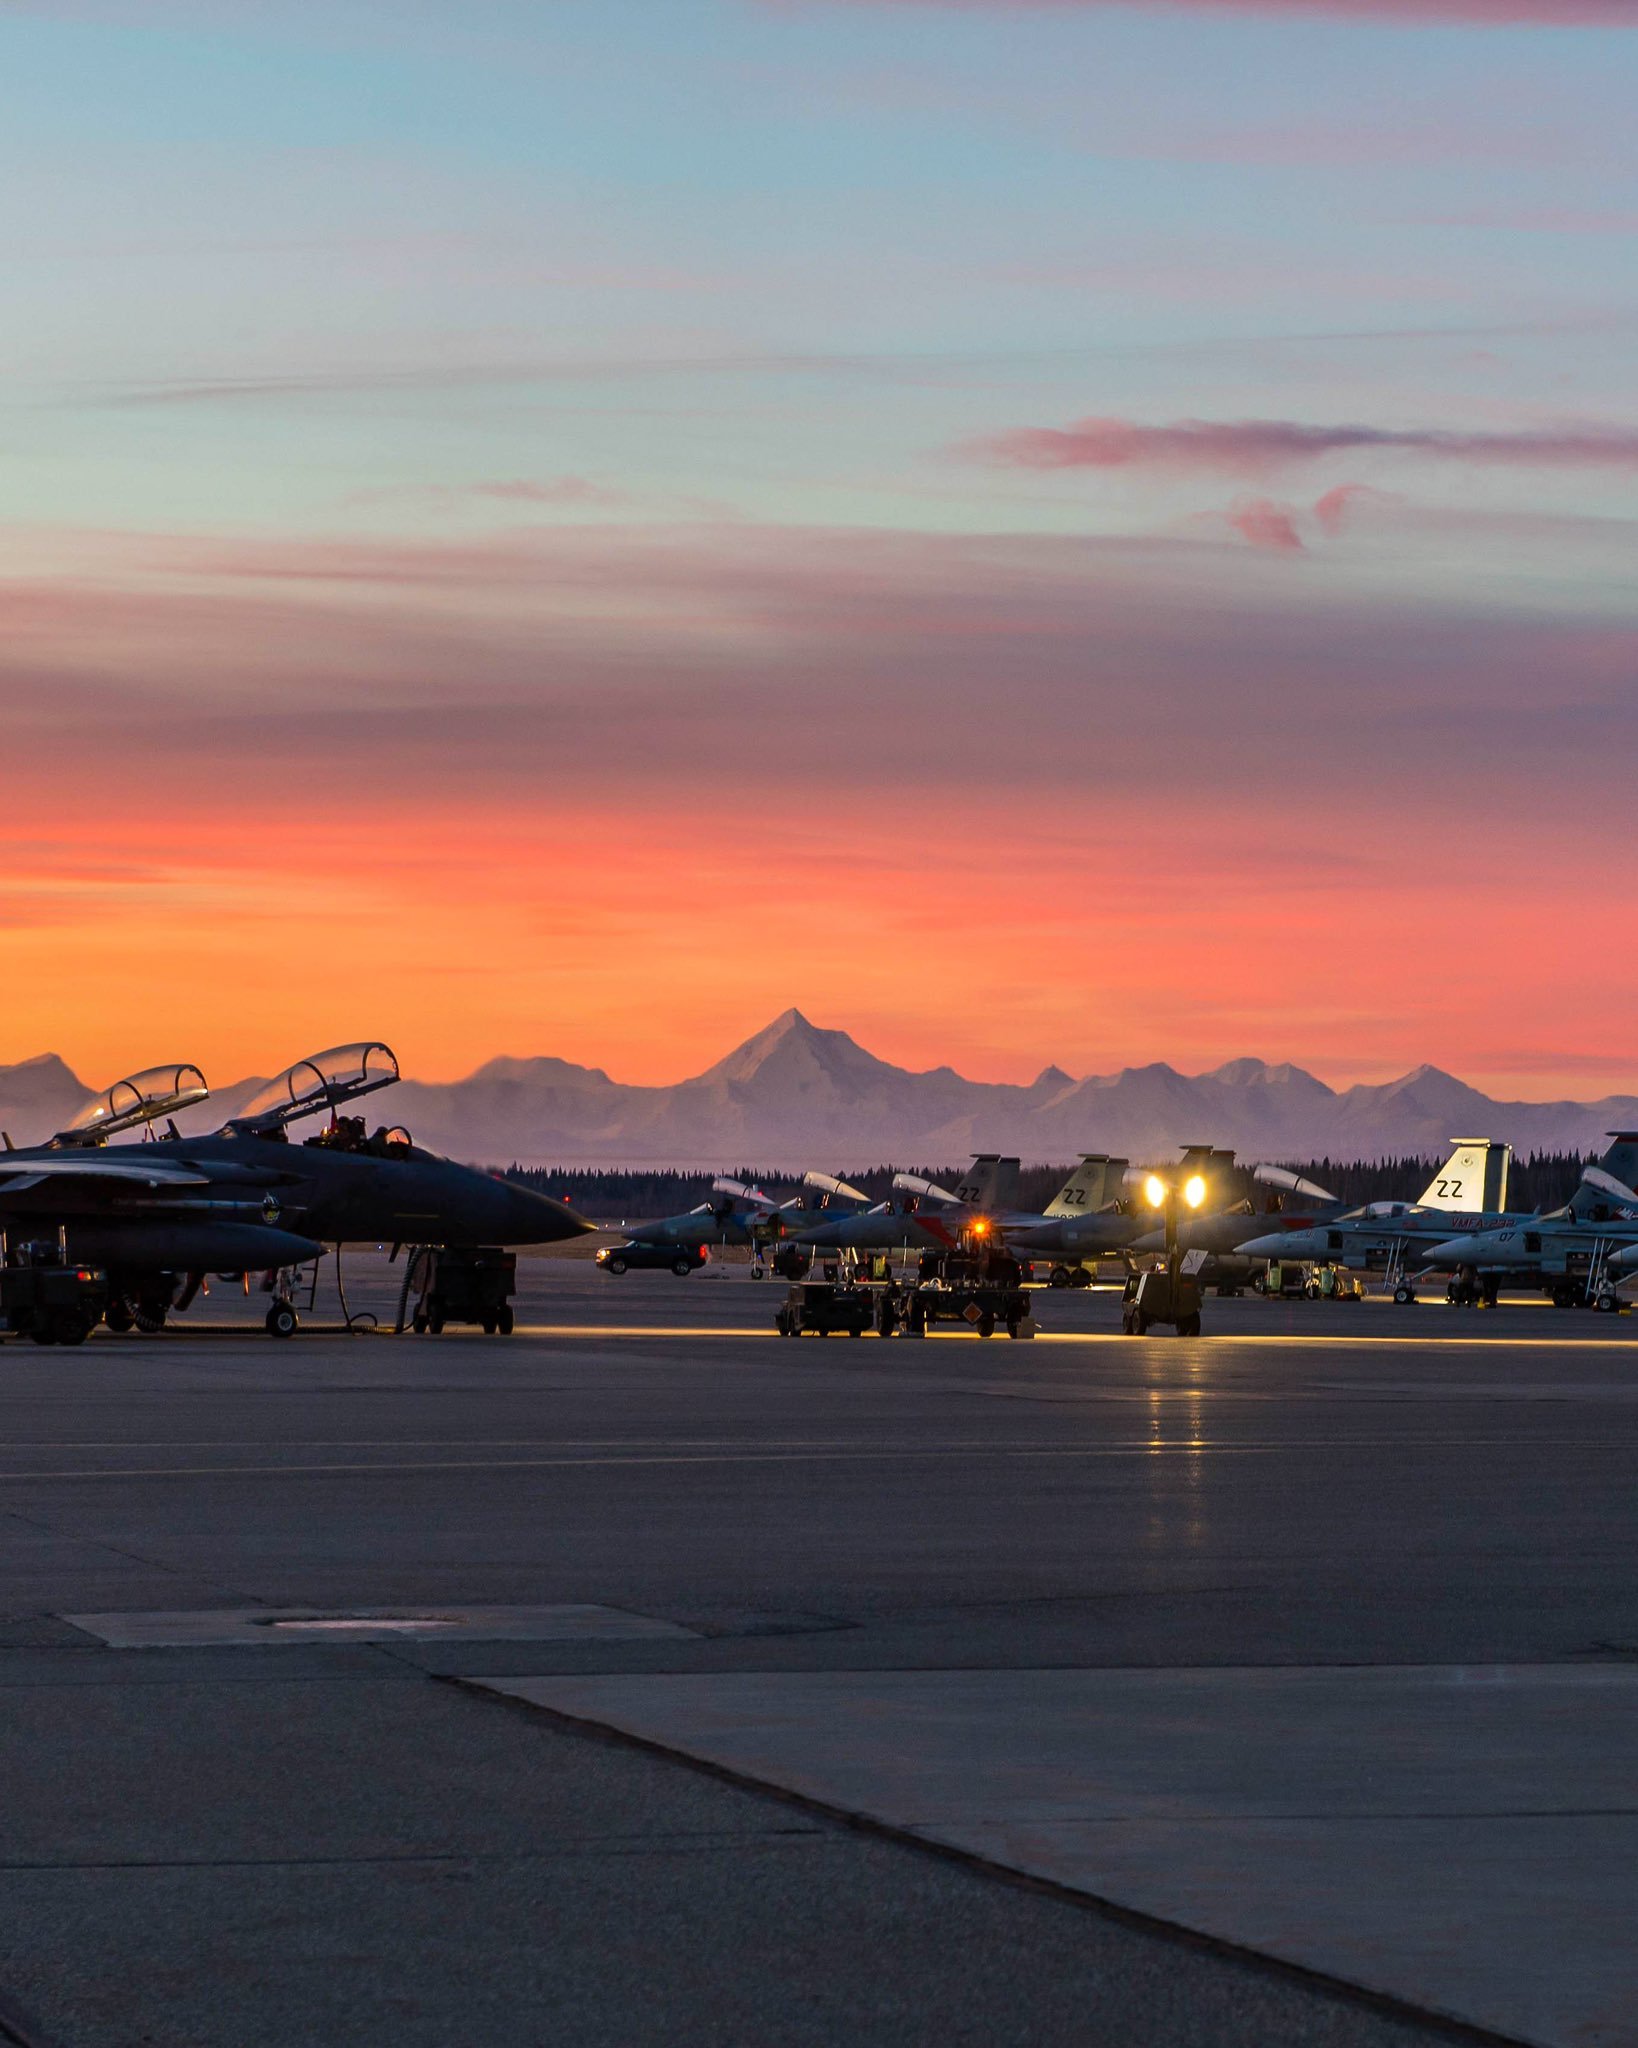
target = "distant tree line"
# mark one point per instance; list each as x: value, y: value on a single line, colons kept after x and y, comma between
x: 1542, y: 1181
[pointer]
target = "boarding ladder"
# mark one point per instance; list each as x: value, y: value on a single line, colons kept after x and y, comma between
x: 1598, y: 1265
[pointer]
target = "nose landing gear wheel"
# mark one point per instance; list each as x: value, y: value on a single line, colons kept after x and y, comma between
x: 282, y: 1320
x: 1403, y: 1295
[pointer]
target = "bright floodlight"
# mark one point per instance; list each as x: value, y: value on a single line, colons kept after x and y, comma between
x: 1194, y: 1191
x: 981, y: 1228
x: 1154, y: 1191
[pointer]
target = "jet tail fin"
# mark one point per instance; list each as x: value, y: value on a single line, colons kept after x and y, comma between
x: 1473, y: 1180
x: 1092, y: 1186
x: 992, y: 1183
x: 1621, y: 1160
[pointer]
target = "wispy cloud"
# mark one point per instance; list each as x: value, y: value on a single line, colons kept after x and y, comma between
x: 557, y: 490
x: 1266, y: 525
x: 1260, y: 447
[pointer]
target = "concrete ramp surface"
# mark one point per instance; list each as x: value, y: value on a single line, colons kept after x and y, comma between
x: 1462, y: 1838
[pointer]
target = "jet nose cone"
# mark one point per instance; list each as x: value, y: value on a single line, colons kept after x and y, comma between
x: 1150, y: 1241
x: 1461, y: 1251
x: 1271, y: 1247
x: 528, y: 1218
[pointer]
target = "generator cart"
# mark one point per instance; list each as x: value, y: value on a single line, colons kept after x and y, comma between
x: 1161, y: 1296
x: 826, y: 1308
x: 44, y: 1297
x: 464, y: 1286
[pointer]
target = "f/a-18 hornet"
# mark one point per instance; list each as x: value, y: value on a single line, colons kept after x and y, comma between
x: 161, y: 1214
x: 1577, y: 1253
x: 1466, y: 1196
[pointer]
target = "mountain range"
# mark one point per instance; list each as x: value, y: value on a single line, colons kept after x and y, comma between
x: 795, y: 1095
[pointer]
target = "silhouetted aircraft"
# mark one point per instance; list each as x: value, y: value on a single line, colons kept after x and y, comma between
x: 161, y: 1214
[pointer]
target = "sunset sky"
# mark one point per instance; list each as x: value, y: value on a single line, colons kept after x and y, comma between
x: 1077, y: 532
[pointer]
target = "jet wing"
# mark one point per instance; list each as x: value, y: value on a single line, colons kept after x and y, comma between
x: 79, y: 1166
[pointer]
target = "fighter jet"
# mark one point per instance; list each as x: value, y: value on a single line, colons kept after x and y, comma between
x: 1577, y: 1252
x: 162, y: 1214
x: 1293, y: 1204
x: 1090, y: 1217
x: 742, y: 1215
x: 921, y: 1215
x: 1467, y: 1194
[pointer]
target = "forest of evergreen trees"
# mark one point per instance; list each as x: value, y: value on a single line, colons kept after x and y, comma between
x: 1542, y: 1181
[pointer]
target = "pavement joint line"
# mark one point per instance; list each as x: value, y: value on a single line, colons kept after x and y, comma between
x: 1443, y: 2024
x: 1141, y: 1448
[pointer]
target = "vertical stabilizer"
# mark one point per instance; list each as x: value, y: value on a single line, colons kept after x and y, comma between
x: 992, y: 1182
x: 1214, y: 1166
x: 1473, y: 1180
x: 1620, y: 1162
x: 1092, y: 1186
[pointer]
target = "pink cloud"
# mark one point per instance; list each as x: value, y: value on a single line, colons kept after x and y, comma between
x: 1256, y: 447
x: 1333, y: 509
x: 1266, y: 525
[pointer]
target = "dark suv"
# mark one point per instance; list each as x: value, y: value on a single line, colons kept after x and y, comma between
x: 681, y: 1259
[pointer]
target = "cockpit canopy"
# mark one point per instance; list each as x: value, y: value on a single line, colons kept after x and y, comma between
x: 138, y: 1099
x: 321, y: 1082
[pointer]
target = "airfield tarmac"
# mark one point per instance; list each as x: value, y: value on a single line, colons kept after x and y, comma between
x: 1272, y: 1687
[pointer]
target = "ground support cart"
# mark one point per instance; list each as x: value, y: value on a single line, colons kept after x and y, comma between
x: 1161, y: 1297
x: 984, y: 1289
x: 827, y: 1308
x: 49, y: 1300
x: 464, y: 1286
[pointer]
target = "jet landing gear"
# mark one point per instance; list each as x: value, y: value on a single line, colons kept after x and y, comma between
x: 282, y: 1319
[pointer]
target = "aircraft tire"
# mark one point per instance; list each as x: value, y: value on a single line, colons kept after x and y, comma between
x: 1403, y: 1295
x: 1058, y: 1277
x: 282, y: 1320
x: 418, y: 1323
x: 1080, y: 1277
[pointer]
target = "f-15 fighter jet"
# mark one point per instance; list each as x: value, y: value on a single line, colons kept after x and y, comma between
x: 161, y: 1214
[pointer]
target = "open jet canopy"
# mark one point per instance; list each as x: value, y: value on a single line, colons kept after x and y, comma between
x: 321, y: 1082
x: 138, y: 1099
